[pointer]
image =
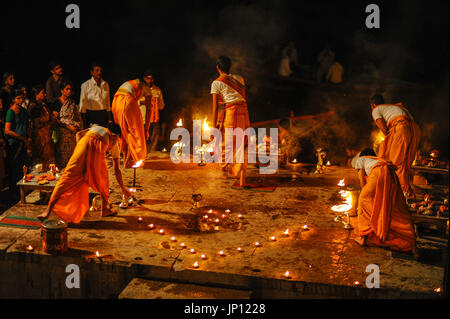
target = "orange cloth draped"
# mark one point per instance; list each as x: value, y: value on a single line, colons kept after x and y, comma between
x: 86, y: 168
x: 127, y: 114
x: 400, y: 146
x: 382, y: 211
x: 154, y: 110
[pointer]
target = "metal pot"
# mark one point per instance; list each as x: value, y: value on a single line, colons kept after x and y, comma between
x: 54, y: 236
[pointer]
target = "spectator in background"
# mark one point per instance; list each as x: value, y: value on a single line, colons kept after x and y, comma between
x: 291, y: 52
x: 7, y: 90
x: 154, y: 103
x: 285, y: 67
x: 335, y: 72
x: 70, y: 122
x: 95, y: 107
x: 2, y: 147
x: 26, y: 100
x: 17, y: 133
x: 43, y: 148
x: 53, y: 84
x: 325, y: 60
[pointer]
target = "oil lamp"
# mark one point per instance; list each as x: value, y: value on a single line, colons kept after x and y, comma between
x: 195, y: 265
x: 29, y: 248
x: 272, y: 238
x: 151, y: 226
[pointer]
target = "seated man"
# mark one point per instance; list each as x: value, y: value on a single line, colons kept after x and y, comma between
x: 87, y: 168
x: 383, y: 215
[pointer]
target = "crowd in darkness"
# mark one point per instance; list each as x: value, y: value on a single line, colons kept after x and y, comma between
x: 40, y: 125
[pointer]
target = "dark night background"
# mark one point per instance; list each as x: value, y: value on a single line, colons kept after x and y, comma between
x: 180, y: 41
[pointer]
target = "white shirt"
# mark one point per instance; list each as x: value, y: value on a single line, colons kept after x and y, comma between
x: 388, y: 112
x: 365, y: 163
x: 94, y: 97
x: 228, y: 94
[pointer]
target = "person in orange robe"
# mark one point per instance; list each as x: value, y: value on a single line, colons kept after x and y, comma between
x: 383, y: 215
x: 402, y: 137
x: 127, y: 114
x: 229, y: 89
x: 87, y: 168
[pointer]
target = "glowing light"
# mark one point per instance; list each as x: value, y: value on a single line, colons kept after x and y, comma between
x: 164, y: 150
x: 195, y: 265
x: 341, y: 208
x: 305, y: 227
x: 341, y: 182
x: 223, y: 215
x: 180, y: 123
x: 183, y: 245
x: 173, y: 239
x: 294, y: 161
x: 132, y: 190
x: 192, y: 251
x: 437, y: 290
x: 203, y: 256
x: 272, y: 238
x: 239, y: 216
x: 356, y: 283
x: 140, y: 219
x: 161, y: 231
x: 205, y: 125
x: 287, y: 274
x: 227, y: 211
x: 239, y: 249
x: 221, y: 253
x: 97, y: 254
x: 205, y: 216
x: 29, y: 248
x: 286, y: 232
x: 138, y: 164
x: 151, y: 226
x: 210, y: 211
x: 257, y: 244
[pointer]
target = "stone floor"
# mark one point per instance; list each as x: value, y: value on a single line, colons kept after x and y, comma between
x: 324, y: 255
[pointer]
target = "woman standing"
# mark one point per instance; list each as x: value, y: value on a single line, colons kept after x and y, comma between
x: 41, y: 123
x: 70, y: 122
x: 17, y: 133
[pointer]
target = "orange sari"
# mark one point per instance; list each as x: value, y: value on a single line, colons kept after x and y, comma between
x: 382, y: 211
x: 400, y: 146
x: 86, y: 168
x: 127, y: 114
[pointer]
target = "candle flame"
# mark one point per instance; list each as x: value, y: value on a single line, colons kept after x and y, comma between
x: 227, y: 211
x: 437, y: 289
x: 196, y: 265
x: 328, y: 163
x: 172, y: 239
x: 29, y: 248
x: 138, y: 164
x: 239, y: 249
x: 180, y: 122
x: 182, y: 245
x: 151, y: 226
x: 356, y: 283
x: 341, y: 182
x: 97, y: 254
x: 205, y: 126
x: 161, y: 231
x: 221, y: 253
x: 286, y: 232
x: 257, y: 244
x: 192, y: 251
x: 272, y: 238
x: 203, y: 256
x: 294, y: 161
x: 286, y: 274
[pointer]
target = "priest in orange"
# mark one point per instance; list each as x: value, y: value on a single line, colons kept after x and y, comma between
x: 383, y: 215
x: 402, y: 137
x: 127, y: 114
x: 87, y: 168
x: 229, y: 89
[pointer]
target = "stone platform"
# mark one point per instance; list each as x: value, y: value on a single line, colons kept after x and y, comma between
x: 323, y: 262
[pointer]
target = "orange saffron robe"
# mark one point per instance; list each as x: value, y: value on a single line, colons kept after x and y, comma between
x: 127, y: 114
x: 400, y: 146
x: 382, y: 211
x: 234, y: 115
x: 86, y: 168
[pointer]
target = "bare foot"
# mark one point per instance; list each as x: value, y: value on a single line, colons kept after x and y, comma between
x: 108, y: 212
x: 361, y: 241
x: 44, y: 215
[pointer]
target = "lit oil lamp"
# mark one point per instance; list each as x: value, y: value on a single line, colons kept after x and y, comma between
x: 239, y: 216
x: 221, y: 253
x: 305, y: 228
x: 217, y: 220
x: 151, y: 226
x: 287, y: 275
x: 239, y: 250
x: 227, y: 211
x: 205, y: 216
x: 438, y: 290
x: 257, y: 244
x: 29, y: 248
x: 164, y: 150
x: 97, y: 254
x: 161, y: 231
x: 328, y: 163
x: 140, y: 219
x: 183, y: 245
x: 356, y: 283
x: 223, y: 216
x: 203, y: 256
x: 210, y: 211
x: 341, y: 183
x: 286, y: 233
x: 192, y: 251
x: 294, y: 161
x: 180, y: 123
x: 195, y: 265
x: 272, y: 238
x: 173, y: 239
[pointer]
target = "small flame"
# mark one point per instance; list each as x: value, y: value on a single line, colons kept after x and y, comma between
x: 210, y: 211
x: 437, y: 289
x: 205, y: 126
x: 305, y: 226
x: 239, y: 216
x: 286, y: 232
x: 151, y: 226
x: 341, y: 182
x: 164, y: 150
x: 180, y: 122
x: 138, y: 164
x: 273, y: 238
x: 161, y: 231
x: 203, y: 256
x: 221, y: 253
x: 140, y: 219
x: 132, y: 190
x: 192, y: 251
x: 227, y: 211
x: 356, y: 283
x: 183, y: 245
x: 30, y: 248
x: 205, y: 217
x: 195, y: 265
x: 239, y: 249
x: 257, y: 244
x: 173, y: 238
x: 294, y: 161
x: 328, y: 163
x: 287, y: 274
x: 97, y: 254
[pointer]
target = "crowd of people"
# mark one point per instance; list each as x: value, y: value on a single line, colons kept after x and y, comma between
x: 40, y: 126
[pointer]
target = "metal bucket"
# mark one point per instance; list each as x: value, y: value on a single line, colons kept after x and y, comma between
x: 54, y: 236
